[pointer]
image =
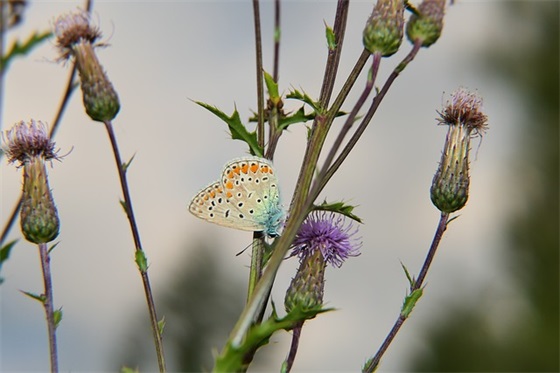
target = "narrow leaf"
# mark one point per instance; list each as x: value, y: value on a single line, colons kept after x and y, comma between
x: 161, y: 325
x: 126, y: 164
x: 272, y: 88
x: 40, y: 298
x: 331, y: 40
x: 340, y: 208
x: 57, y: 314
x: 22, y: 48
x: 411, y: 280
x: 238, y: 131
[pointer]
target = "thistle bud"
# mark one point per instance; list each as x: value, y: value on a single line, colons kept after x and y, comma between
x: 29, y: 144
x: 426, y: 26
x: 384, y: 29
x: 307, y: 287
x: 462, y: 115
x: 76, y: 37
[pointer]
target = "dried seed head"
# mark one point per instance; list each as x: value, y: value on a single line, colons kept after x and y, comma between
x: 76, y: 38
x: 29, y: 145
x: 450, y: 187
x: 28, y: 140
x: 73, y: 28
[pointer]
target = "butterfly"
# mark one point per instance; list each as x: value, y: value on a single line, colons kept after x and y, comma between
x: 246, y: 197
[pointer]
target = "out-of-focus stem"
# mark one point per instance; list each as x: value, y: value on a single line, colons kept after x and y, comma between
x: 373, y: 363
x: 48, y: 304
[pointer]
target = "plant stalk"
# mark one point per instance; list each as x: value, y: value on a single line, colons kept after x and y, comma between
x: 48, y: 304
x: 138, y: 248
x: 372, y: 364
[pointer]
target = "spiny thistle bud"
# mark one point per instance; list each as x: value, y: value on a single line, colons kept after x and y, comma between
x: 450, y: 186
x: 29, y: 144
x: 426, y: 26
x: 75, y: 37
x: 321, y: 239
x: 384, y: 29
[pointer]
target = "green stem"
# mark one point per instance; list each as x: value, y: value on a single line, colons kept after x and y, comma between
x: 48, y: 304
x: 138, y: 247
x: 373, y: 363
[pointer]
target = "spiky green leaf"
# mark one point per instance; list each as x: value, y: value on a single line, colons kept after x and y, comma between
x: 339, y: 207
x: 22, y: 48
x: 410, y: 301
x: 232, y: 357
x: 5, y: 254
x: 141, y: 261
x: 237, y: 129
x: 297, y: 95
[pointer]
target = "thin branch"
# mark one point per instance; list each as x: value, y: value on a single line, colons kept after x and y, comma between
x: 48, y: 305
x: 138, y: 247
x: 373, y: 363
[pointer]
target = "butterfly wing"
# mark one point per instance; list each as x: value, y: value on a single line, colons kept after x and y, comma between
x: 211, y: 204
x: 250, y: 184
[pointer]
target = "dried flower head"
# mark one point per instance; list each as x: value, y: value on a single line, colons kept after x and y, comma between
x: 426, y: 26
x: 74, y: 28
x: 29, y: 144
x: 384, y: 29
x: 328, y: 233
x: 28, y: 140
x: 75, y: 37
x: 463, y: 116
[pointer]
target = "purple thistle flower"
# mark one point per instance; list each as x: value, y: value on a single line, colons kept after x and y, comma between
x: 328, y: 233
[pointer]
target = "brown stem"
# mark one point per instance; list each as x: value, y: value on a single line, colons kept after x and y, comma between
x: 373, y: 363
x: 138, y: 247
x: 48, y: 304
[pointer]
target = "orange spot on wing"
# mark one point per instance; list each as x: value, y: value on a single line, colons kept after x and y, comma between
x: 254, y: 167
x: 229, y: 185
x: 245, y: 168
x: 229, y: 195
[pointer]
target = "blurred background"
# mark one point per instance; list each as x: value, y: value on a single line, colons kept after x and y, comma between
x: 491, y: 300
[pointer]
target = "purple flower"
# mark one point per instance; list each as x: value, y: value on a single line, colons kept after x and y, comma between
x: 330, y: 234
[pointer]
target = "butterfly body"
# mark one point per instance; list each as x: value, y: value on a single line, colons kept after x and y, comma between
x: 246, y: 197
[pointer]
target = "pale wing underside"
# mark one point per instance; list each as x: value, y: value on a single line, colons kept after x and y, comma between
x: 245, y: 198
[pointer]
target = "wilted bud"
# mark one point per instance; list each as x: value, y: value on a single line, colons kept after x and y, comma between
x: 450, y: 186
x: 29, y: 144
x: 75, y: 38
x: 384, y: 29
x: 427, y: 25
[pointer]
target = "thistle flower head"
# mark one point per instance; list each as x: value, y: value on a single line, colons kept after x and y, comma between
x: 329, y: 234
x: 465, y: 108
x: 426, y: 26
x: 26, y: 141
x: 73, y: 28
x: 450, y: 187
x: 75, y: 37
x: 322, y: 238
x: 29, y: 144
x: 384, y: 29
